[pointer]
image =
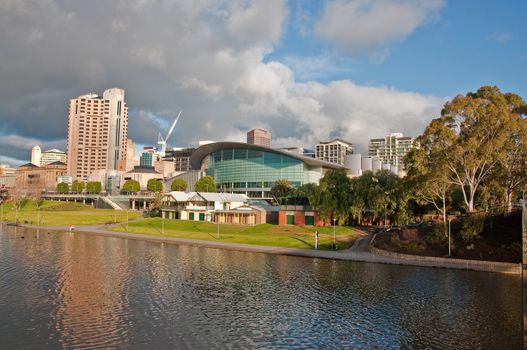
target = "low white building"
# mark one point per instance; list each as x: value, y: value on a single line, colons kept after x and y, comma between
x: 200, y: 206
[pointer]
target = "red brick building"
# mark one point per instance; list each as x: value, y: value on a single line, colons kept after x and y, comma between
x: 299, y: 215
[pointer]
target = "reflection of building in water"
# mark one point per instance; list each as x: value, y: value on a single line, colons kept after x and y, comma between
x: 93, y: 297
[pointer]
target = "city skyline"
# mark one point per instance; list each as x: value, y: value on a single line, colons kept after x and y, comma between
x: 307, y: 72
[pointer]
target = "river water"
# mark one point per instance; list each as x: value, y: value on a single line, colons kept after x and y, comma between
x: 74, y: 290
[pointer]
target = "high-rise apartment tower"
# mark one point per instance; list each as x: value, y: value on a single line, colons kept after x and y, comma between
x: 391, y: 149
x: 334, y: 151
x: 97, y: 132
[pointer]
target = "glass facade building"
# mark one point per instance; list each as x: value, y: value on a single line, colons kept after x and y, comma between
x: 253, y: 169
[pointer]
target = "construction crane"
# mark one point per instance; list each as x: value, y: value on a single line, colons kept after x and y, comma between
x: 162, y: 142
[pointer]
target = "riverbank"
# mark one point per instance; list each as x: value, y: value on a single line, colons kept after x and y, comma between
x: 52, y: 213
x: 263, y: 234
x: 360, y: 251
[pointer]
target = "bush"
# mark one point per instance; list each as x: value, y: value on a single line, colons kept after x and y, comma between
x: 406, y: 247
x: 471, y: 227
x: 438, y: 234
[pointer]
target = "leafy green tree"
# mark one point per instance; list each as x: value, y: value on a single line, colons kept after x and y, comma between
x: 512, y: 165
x: 310, y: 191
x: 281, y: 188
x: 77, y: 186
x: 336, y: 196
x: 428, y: 179
x: 471, y: 137
x: 178, y: 185
x: 154, y: 185
x: 131, y: 186
x: 63, y: 188
x: 205, y: 184
x: 94, y: 187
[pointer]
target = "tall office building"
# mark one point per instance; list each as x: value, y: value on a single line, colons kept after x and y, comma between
x: 36, y: 155
x: 334, y: 151
x: 391, y: 149
x: 97, y: 132
x: 52, y: 156
x: 259, y: 137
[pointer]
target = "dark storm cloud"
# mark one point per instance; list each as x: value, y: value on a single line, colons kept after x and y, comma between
x: 204, y: 57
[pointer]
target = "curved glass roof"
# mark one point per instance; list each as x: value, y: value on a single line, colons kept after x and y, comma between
x: 200, y: 153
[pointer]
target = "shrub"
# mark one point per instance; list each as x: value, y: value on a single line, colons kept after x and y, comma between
x: 406, y: 247
x: 438, y: 234
x: 471, y: 227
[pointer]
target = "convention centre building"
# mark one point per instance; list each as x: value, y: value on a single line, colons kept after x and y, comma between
x: 253, y: 169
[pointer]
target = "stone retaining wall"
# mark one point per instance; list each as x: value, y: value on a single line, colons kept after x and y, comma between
x: 477, y: 265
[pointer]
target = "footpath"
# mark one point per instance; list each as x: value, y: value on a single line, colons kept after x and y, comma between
x: 361, y: 251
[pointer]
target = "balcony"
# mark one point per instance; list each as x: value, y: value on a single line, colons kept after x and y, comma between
x: 199, y: 207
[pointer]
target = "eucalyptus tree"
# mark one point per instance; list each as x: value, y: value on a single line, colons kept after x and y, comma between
x: 427, y: 178
x: 470, y: 138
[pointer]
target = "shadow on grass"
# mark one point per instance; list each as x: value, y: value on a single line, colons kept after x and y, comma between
x: 303, y: 241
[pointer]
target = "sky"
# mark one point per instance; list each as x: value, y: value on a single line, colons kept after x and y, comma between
x: 308, y: 71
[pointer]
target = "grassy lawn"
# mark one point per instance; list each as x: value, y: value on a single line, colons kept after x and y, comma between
x: 65, y: 213
x: 265, y: 234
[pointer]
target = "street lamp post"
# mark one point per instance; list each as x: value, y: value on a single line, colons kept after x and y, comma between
x: 218, y: 221
x: 449, y: 221
x: 385, y: 205
x: 334, y: 234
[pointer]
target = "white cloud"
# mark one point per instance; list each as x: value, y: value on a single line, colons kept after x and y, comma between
x: 500, y: 37
x: 207, y: 58
x: 261, y: 21
x: 315, y: 67
x: 368, y: 25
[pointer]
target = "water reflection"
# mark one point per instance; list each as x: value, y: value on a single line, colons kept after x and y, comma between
x: 82, y: 291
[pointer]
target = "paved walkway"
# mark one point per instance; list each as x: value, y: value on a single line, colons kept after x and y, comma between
x: 358, y: 252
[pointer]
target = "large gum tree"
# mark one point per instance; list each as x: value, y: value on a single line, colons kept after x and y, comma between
x: 472, y: 137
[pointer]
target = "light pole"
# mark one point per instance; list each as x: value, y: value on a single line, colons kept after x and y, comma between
x: 385, y: 205
x: 334, y: 234
x: 218, y: 221
x: 449, y: 221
